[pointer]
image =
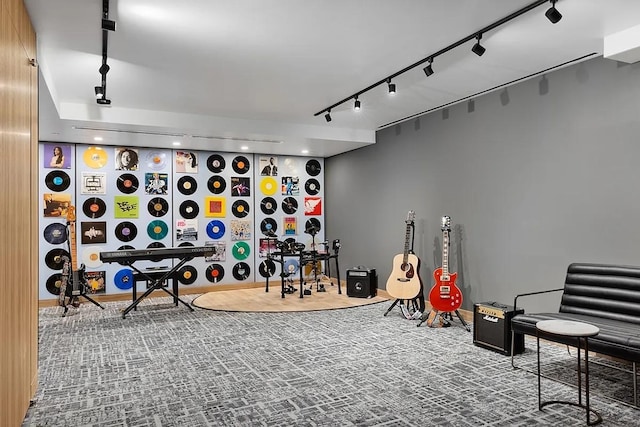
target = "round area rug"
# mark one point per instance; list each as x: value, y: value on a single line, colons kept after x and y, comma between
x: 257, y: 300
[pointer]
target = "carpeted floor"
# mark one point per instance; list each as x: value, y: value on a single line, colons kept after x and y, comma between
x: 167, y: 366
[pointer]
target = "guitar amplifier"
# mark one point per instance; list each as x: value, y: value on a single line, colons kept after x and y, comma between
x: 492, y: 327
x: 362, y: 282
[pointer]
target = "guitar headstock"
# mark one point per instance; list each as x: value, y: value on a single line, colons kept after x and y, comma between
x: 446, y: 223
x: 411, y: 216
x: 71, y: 214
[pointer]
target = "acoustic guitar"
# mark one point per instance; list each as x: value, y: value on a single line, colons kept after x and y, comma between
x: 404, y: 281
x: 445, y: 295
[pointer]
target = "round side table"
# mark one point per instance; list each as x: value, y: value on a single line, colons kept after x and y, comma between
x: 582, y: 332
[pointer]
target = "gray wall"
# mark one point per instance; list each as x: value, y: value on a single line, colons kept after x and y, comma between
x: 538, y: 175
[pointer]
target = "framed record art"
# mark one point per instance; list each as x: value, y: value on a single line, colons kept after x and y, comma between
x: 126, y: 207
x: 186, y: 162
x: 127, y: 159
x: 57, y: 156
x: 214, y: 207
x: 93, y: 232
x: 269, y: 166
x: 312, y: 206
x: 93, y: 183
x: 156, y: 183
x: 56, y: 204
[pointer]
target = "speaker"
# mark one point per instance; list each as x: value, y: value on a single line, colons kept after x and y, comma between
x: 492, y: 327
x: 362, y: 282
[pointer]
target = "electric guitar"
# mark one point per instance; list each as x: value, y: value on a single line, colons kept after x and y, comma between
x: 404, y: 281
x: 445, y: 295
x: 76, y: 278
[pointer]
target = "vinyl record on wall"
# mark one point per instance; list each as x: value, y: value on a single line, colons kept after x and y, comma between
x: 289, y: 205
x: 158, y: 207
x: 187, y: 275
x: 57, y: 180
x: 216, y: 163
x: 156, y: 160
x: 312, y: 225
x: 123, y: 279
x: 312, y: 186
x: 187, y: 185
x: 241, y: 271
x: 268, y: 224
x: 157, y: 229
x: 55, y: 233
x: 215, y: 229
x: 268, y: 205
x: 240, y: 208
x: 91, y: 256
x: 55, y: 258
x: 267, y: 268
x: 156, y: 245
x: 240, y: 164
x: 291, y: 266
x: 95, y: 157
x: 124, y: 248
x: 241, y: 250
x: 189, y: 209
x: 94, y: 207
x: 126, y: 231
x: 127, y: 183
x: 53, y: 284
x: 268, y: 186
x: 313, y: 167
x: 216, y: 184
x: 215, y: 273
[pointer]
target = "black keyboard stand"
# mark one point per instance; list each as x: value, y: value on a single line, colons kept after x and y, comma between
x: 156, y: 279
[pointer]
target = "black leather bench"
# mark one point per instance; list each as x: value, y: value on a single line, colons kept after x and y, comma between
x: 607, y: 296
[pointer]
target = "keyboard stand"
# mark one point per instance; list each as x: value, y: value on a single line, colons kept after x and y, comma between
x: 156, y: 279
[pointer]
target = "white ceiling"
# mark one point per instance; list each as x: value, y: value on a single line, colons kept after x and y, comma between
x: 220, y: 74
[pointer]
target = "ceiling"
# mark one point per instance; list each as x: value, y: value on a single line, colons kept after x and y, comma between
x: 225, y: 74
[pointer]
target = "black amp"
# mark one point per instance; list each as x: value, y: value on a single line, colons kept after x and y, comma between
x: 362, y: 282
x: 492, y: 327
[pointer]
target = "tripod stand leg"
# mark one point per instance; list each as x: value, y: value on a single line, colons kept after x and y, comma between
x: 391, y: 307
x: 92, y: 300
x: 462, y: 321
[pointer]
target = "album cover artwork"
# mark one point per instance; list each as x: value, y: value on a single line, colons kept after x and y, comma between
x: 290, y: 185
x: 94, y: 183
x: 57, y: 156
x: 56, y: 205
x: 312, y: 206
x: 266, y: 246
x: 186, y: 230
x: 96, y: 281
x: 127, y: 159
x: 156, y: 183
x: 268, y: 166
x: 93, y: 232
x: 290, y: 225
x: 240, y: 186
x: 214, y: 207
x: 240, y: 229
x: 219, y: 252
x: 186, y: 162
x: 126, y: 206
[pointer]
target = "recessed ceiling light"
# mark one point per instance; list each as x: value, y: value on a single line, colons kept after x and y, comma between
x: 305, y: 151
x: 97, y: 138
x: 176, y: 143
x: 244, y: 147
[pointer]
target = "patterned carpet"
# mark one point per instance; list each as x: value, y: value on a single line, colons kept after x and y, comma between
x: 167, y: 366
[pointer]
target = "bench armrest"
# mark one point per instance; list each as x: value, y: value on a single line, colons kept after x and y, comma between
x: 515, y: 300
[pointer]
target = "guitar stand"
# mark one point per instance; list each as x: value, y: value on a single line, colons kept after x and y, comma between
x: 402, y: 303
x: 446, y: 317
x: 75, y: 297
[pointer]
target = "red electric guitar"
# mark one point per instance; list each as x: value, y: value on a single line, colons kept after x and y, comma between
x: 404, y: 282
x: 445, y: 295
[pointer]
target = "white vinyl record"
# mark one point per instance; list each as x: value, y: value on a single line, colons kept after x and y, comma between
x: 91, y: 257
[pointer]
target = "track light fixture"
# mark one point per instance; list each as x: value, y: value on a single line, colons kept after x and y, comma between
x: 428, y: 70
x: 99, y: 91
x: 477, y: 48
x: 108, y: 24
x: 552, y: 13
x: 392, y: 87
x: 356, y: 104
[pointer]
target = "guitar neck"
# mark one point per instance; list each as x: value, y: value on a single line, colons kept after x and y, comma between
x: 72, y: 246
x: 445, y: 252
x: 407, y: 236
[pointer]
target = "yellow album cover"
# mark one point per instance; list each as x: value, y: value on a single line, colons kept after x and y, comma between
x: 56, y: 205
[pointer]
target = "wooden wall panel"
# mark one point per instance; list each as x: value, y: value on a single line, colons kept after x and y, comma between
x: 18, y: 230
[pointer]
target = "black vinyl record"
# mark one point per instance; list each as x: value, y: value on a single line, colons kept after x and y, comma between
x: 268, y: 224
x: 53, y: 283
x: 312, y: 226
x: 94, y: 207
x: 188, y: 258
x: 267, y: 268
x: 216, y: 184
x: 187, y: 185
x: 313, y: 167
x: 215, y: 273
x: 57, y: 180
x: 289, y: 205
x: 268, y: 205
x: 312, y: 186
x: 240, y: 208
x: 126, y: 231
x: 240, y: 164
x: 241, y: 271
x: 187, y: 275
x: 158, y: 207
x: 189, y: 209
x: 124, y: 248
x: 216, y: 163
x: 156, y: 245
x: 55, y: 258
x: 55, y: 233
x: 127, y: 183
